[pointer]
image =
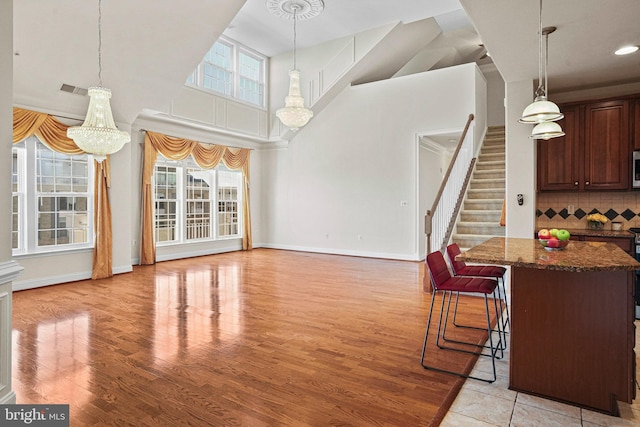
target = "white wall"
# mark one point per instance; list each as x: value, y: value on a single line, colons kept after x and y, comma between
x: 9, y: 269
x: 478, y: 126
x: 495, y: 97
x: 339, y: 185
x: 433, y: 162
x: 520, y: 162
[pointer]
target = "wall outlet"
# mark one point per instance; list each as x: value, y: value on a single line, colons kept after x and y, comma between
x: 571, y: 209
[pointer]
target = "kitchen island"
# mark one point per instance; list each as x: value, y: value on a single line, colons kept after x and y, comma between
x: 572, y: 320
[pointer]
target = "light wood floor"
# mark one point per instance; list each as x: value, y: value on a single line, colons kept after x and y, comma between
x: 260, y: 338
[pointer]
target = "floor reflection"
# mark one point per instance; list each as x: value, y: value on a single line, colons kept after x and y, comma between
x: 54, y: 358
x: 194, y: 308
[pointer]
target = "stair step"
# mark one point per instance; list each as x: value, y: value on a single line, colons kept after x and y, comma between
x: 495, y: 149
x: 494, y: 140
x: 486, y: 183
x: 488, y: 174
x: 491, y: 157
x: 485, y: 193
x: 493, y: 165
x: 481, y: 215
x: 469, y: 240
x: 480, y: 228
x: 483, y: 204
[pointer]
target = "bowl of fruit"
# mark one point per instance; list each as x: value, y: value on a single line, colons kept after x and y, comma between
x: 553, y: 239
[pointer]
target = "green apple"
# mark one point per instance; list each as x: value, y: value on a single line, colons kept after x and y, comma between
x: 553, y: 232
x: 563, y: 235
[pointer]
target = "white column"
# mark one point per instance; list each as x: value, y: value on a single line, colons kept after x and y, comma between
x: 520, y: 162
x: 9, y: 269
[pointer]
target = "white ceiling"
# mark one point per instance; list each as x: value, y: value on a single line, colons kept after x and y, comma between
x: 580, y: 51
x: 271, y: 35
x: 150, y: 46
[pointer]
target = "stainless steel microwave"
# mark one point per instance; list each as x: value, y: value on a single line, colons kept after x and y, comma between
x: 635, y: 169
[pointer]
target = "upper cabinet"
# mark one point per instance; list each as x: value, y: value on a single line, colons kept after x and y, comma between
x: 595, y: 152
x: 559, y: 159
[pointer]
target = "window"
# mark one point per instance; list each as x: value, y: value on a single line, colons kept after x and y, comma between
x: 51, y: 201
x: 185, y: 197
x: 232, y: 70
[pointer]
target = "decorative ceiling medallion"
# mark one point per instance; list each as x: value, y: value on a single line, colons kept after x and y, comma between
x: 301, y: 9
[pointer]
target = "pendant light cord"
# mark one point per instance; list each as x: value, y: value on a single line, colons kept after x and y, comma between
x: 540, y: 91
x: 546, y: 63
x: 100, y: 42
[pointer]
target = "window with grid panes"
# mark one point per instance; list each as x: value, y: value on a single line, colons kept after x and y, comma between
x: 233, y: 70
x: 17, y: 198
x: 194, y: 192
x: 198, y: 214
x: 217, y: 68
x: 229, y: 187
x: 166, y: 197
x: 250, y: 85
x: 51, y: 199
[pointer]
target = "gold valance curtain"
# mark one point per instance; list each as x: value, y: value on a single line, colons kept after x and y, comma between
x: 53, y: 134
x: 207, y: 156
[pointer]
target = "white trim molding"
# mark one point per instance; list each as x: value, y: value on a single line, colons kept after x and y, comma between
x: 8, y: 272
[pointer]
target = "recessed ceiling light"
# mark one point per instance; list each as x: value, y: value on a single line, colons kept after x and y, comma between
x: 625, y: 50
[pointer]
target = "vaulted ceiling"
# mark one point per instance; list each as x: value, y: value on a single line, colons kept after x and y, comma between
x: 149, y: 47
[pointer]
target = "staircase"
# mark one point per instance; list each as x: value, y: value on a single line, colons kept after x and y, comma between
x: 480, y: 215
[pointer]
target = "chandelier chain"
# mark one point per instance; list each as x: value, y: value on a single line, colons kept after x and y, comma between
x: 100, y: 42
x: 295, y: 10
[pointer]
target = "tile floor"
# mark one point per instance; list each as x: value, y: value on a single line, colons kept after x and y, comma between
x: 483, y: 404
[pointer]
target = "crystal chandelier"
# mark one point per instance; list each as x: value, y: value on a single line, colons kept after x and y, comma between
x: 541, y: 111
x: 294, y: 114
x: 98, y: 134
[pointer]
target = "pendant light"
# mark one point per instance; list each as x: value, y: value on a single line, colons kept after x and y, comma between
x: 541, y: 109
x: 98, y: 134
x: 294, y: 114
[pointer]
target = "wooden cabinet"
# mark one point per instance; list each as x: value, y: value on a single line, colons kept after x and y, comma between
x: 607, y: 152
x: 595, y: 152
x: 559, y: 163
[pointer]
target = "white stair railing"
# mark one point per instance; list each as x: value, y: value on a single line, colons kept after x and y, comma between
x: 438, y: 219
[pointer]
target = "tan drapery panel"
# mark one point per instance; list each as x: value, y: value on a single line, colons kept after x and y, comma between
x: 207, y: 156
x: 147, y: 240
x: 53, y: 134
x: 102, y: 266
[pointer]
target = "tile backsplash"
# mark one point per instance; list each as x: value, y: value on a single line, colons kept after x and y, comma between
x: 552, y: 209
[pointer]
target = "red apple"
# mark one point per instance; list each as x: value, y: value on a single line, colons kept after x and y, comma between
x: 544, y: 234
x: 553, y: 243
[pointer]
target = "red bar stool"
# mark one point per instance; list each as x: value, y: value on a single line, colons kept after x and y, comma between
x: 443, y: 281
x: 495, y: 272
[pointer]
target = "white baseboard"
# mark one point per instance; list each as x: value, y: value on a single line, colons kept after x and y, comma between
x: 21, y: 285
x: 364, y: 254
x: 8, y: 399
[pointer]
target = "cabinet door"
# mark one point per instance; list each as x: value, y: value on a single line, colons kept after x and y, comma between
x: 559, y: 159
x: 607, y: 153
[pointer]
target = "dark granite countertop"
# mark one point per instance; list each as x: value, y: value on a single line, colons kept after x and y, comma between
x: 600, y: 233
x: 576, y: 257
